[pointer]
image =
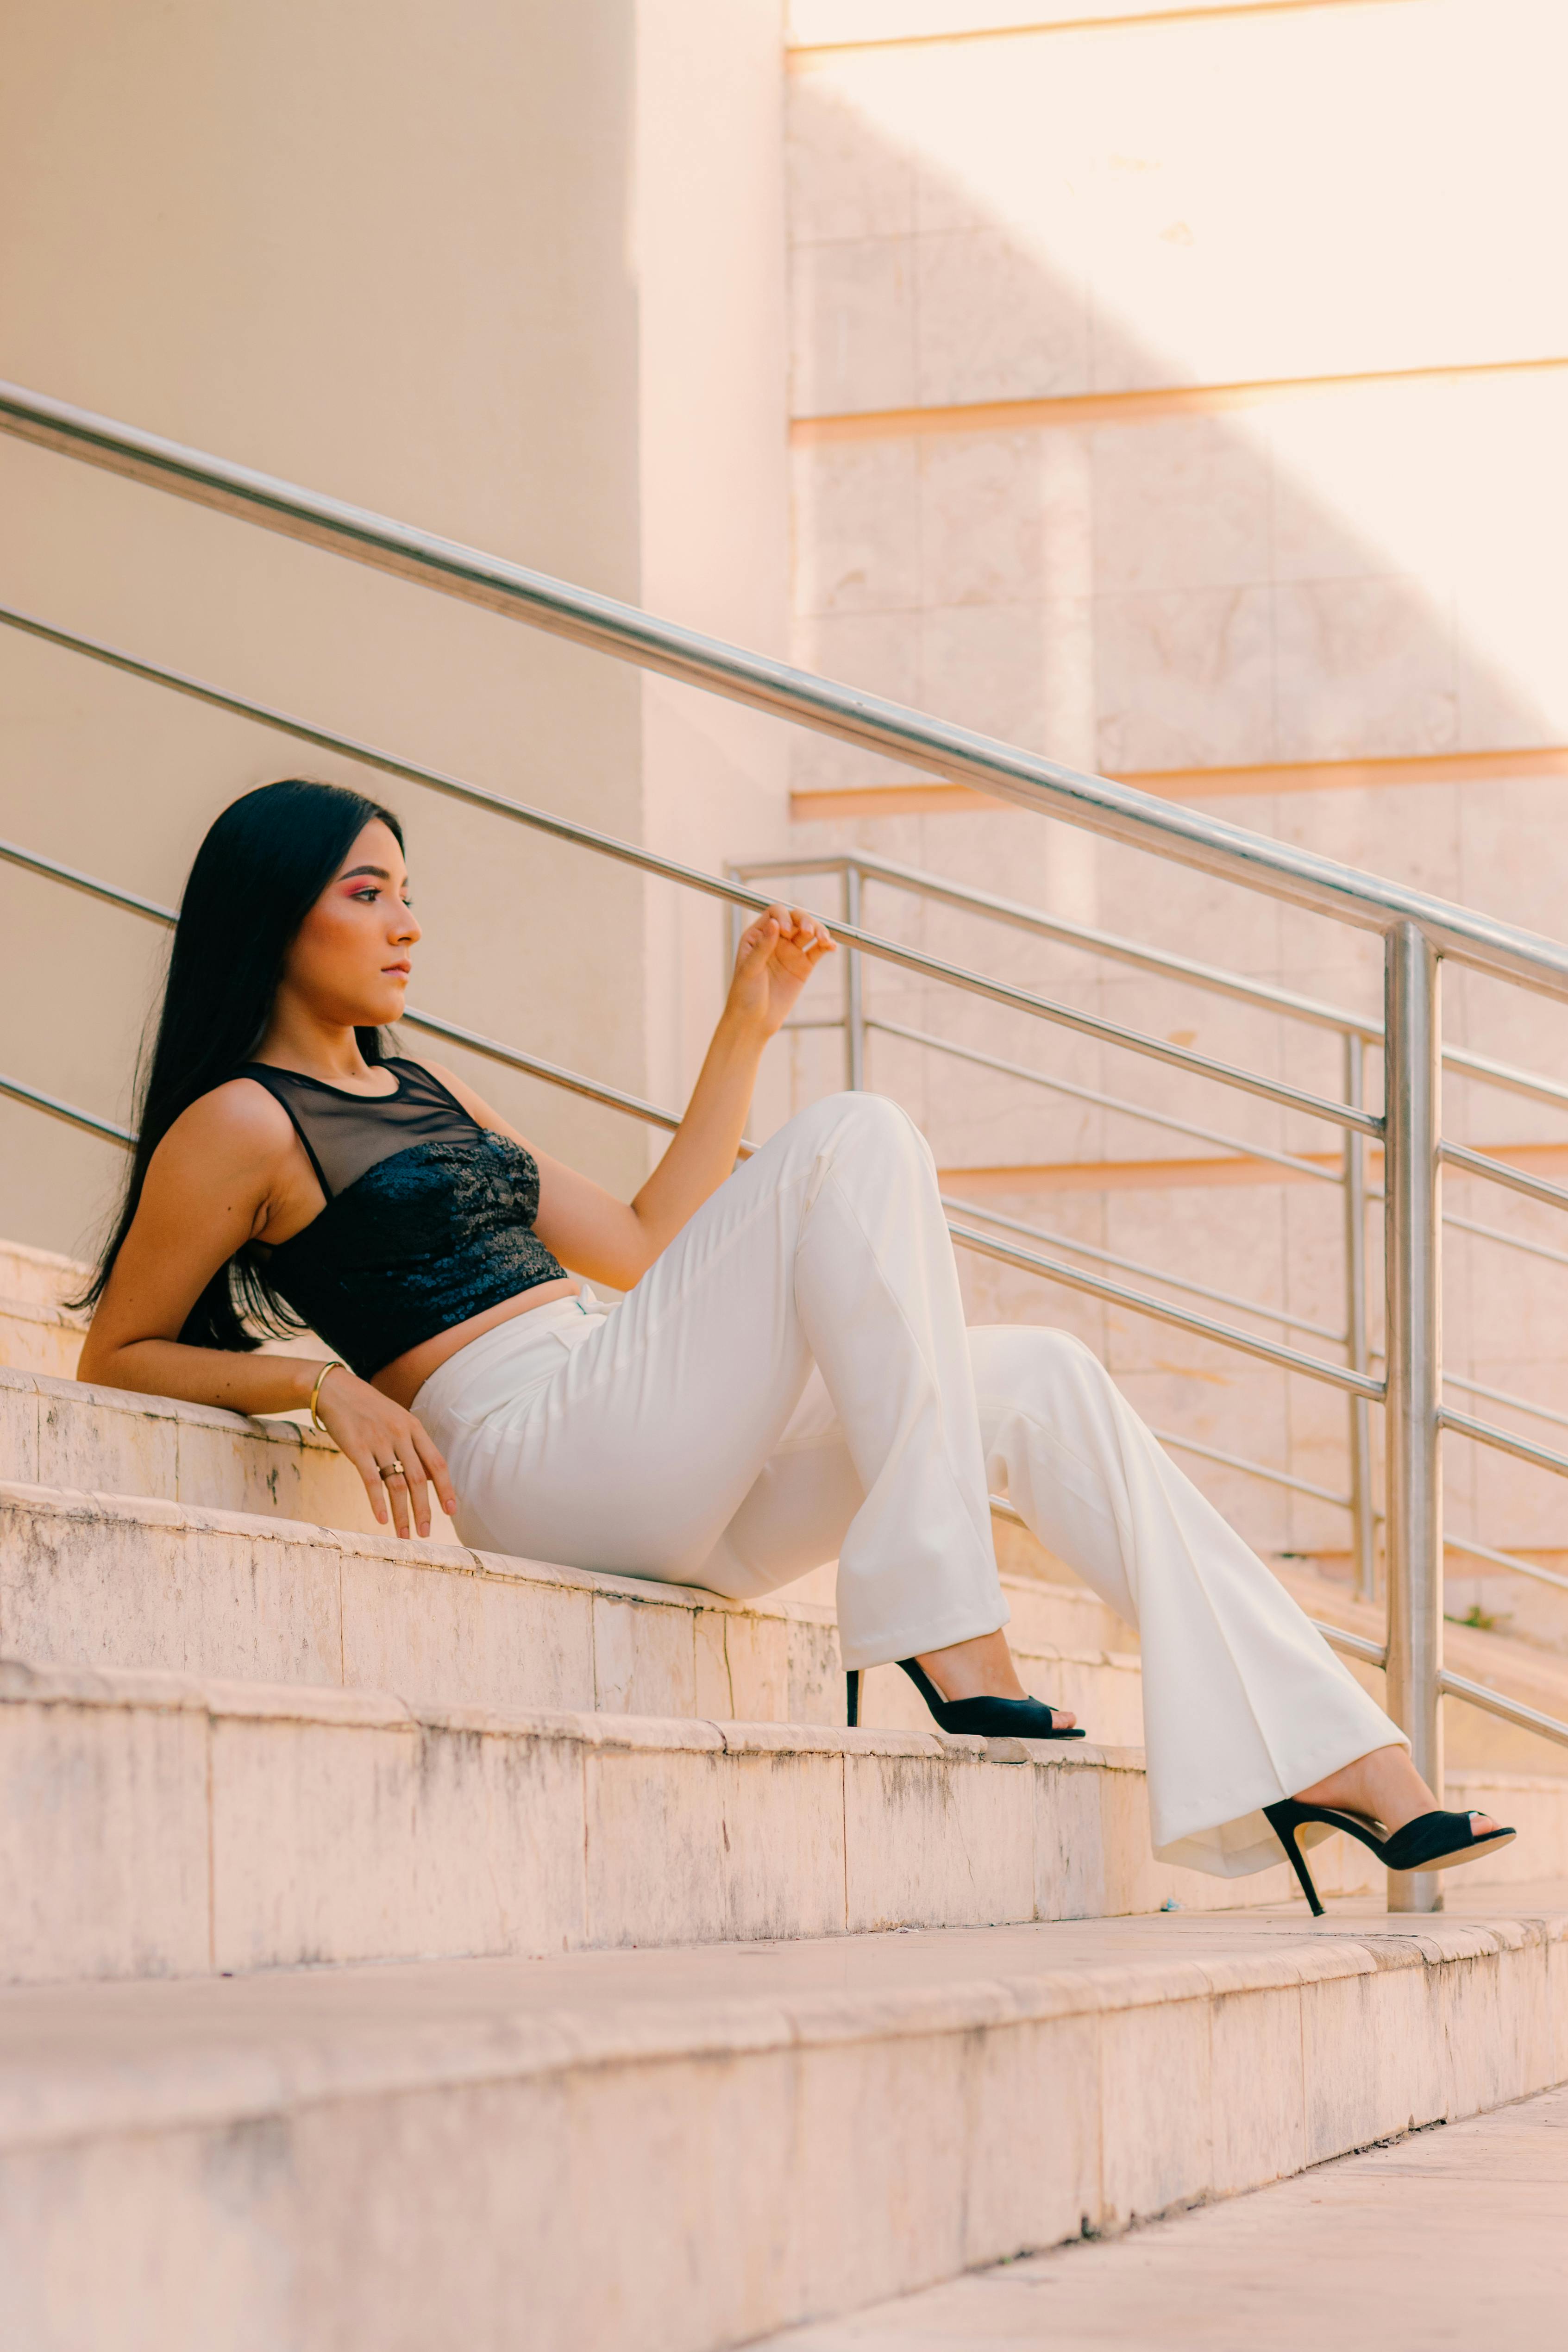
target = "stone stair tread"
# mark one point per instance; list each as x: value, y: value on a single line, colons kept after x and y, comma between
x: 136, y: 1580
x: 296, y: 1473
x: 37, y: 1277
x: 154, y: 1823
x: 1437, y: 2238
x: 83, y: 2056
x: 732, y: 2140
x: 259, y: 1595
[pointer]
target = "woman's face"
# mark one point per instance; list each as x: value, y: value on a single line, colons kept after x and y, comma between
x: 349, y: 962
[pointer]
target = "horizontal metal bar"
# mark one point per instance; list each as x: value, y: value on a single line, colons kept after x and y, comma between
x: 112, y: 1132
x: 1169, y: 828
x: 1505, y: 1559
x: 1106, y: 1102
x: 1490, y: 1233
x: 1074, y: 1278
x: 1509, y: 1240
x: 550, y: 1072
x: 1506, y: 1396
x: 1253, y: 1469
x: 1512, y: 1710
x: 1354, y: 1645
x: 691, y: 878
x: 1481, y: 1069
x: 1465, y: 1162
x: 532, y: 1064
x: 1486, y: 1433
x: 12, y: 854
x: 1020, y: 917
x: 1139, y: 1266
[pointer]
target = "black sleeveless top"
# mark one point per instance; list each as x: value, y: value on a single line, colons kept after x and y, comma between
x: 429, y: 1216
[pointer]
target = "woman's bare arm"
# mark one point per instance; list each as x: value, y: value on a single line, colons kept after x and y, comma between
x: 614, y: 1242
x: 213, y: 1183
x: 210, y: 1188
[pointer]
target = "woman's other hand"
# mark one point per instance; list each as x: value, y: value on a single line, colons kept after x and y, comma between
x: 776, y: 957
x: 393, y: 1453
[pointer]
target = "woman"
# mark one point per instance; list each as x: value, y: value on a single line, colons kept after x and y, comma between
x: 788, y: 1380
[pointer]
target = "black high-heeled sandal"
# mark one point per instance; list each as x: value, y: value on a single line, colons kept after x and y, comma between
x: 1433, y: 1840
x: 993, y: 1718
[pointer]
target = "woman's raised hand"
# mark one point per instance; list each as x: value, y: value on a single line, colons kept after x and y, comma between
x: 776, y: 957
x: 397, y: 1460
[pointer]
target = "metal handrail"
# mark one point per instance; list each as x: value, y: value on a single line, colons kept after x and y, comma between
x: 1175, y: 1443
x: 1481, y: 1068
x: 1290, y: 1358
x: 1124, y: 1264
x: 1374, y: 1653
x: 1074, y: 1278
x: 149, y: 909
x: 1506, y: 1396
x: 1417, y: 930
x: 1118, y: 1103
x: 1512, y: 1710
x: 691, y: 878
x: 512, y: 1056
x: 1096, y: 804
x: 1502, y: 1441
x: 1508, y: 1560
x: 1507, y: 1241
x: 1019, y: 916
x: 1466, y: 1163
x: 111, y: 1129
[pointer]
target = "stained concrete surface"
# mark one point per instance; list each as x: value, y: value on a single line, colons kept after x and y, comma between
x: 1453, y: 2236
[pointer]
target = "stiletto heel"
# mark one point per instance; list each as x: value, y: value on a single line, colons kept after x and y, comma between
x: 1281, y: 1821
x: 993, y: 1718
x: 853, y: 1682
x: 1434, y: 1841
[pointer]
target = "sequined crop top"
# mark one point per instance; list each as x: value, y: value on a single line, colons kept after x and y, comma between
x: 429, y: 1216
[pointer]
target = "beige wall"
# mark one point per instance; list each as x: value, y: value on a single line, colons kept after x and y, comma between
x: 425, y: 261
x: 1186, y: 398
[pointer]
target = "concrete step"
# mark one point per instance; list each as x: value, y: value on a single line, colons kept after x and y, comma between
x: 66, y: 1433
x: 130, y: 1581
x: 1449, y: 2237
x: 36, y: 1337
x: 55, y: 1431
x: 37, y: 1333
x: 158, y: 1824
x: 62, y: 1433
x: 683, y: 2151
x: 37, y: 1277
x: 94, y: 1580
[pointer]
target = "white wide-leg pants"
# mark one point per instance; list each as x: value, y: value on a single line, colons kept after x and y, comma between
x: 792, y: 1381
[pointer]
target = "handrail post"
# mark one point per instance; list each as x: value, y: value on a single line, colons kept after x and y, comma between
x: 1364, y: 1514
x: 853, y: 989
x: 1411, y: 1178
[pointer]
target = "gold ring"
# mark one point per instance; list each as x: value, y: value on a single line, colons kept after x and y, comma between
x: 393, y: 1469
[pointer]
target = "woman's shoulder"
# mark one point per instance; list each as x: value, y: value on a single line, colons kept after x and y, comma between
x: 240, y: 1121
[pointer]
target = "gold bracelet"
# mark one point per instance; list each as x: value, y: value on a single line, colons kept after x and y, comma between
x: 337, y: 1365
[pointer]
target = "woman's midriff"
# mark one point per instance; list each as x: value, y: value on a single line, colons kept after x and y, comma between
x: 402, y: 1379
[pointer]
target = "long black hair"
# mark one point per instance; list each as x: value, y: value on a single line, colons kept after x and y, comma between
x: 259, y: 871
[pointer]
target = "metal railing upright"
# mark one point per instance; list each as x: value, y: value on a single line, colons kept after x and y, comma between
x: 1418, y: 931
